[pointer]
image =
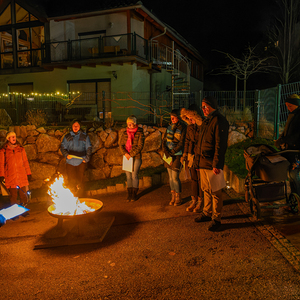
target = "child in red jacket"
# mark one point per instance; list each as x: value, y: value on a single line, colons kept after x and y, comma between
x: 14, y: 167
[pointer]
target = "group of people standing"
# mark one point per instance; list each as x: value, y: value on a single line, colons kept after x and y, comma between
x: 201, y: 145
x: 194, y: 139
x: 76, y: 147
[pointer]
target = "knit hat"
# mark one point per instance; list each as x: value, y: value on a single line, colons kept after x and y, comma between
x: 131, y: 119
x: 211, y: 101
x: 9, y: 134
x: 293, y: 99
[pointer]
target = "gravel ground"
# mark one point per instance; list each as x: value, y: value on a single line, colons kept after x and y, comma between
x: 152, y: 251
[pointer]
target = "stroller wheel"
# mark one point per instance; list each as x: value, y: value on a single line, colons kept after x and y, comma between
x: 255, y: 208
x: 294, y: 203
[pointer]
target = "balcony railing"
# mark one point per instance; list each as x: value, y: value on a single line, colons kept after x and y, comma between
x: 93, y: 48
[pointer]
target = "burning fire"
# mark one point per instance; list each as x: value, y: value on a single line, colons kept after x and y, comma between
x: 64, y: 201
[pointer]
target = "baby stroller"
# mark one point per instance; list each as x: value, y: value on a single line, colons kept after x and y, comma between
x: 266, y: 180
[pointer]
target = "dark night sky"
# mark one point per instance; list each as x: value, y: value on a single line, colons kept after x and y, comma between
x: 224, y: 25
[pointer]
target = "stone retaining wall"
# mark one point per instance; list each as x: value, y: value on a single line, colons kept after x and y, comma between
x: 42, y: 147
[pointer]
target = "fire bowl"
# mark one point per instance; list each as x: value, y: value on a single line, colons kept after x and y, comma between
x: 92, y: 203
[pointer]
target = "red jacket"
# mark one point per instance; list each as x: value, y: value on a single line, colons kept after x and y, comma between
x: 14, y: 166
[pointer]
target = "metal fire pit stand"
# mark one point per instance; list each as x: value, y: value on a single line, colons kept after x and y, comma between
x: 76, y: 229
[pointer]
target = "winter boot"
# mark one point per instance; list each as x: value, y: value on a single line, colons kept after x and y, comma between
x: 134, y: 194
x: 173, y: 198
x: 177, y: 199
x: 192, y: 204
x: 199, y: 205
x: 129, y: 196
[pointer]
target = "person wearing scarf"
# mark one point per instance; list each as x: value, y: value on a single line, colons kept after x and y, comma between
x: 173, y: 146
x: 131, y: 145
x: 290, y: 139
x: 14, y: 167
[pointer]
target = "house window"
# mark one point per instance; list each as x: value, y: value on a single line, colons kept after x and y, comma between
x: 92, y: 93
x: 26, y: 33
x: 21, y: 88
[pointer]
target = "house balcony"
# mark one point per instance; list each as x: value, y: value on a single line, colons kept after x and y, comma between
x: 95, y: 51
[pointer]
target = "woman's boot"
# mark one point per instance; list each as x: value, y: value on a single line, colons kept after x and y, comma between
x: 199, y: 205
x: 129, y: 196
x: 192, y: 205
x: 134, y: 194
x: 177, y: 199
x: 173, y: 198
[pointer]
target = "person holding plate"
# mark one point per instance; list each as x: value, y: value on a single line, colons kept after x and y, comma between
x: 76, y: 147
x: 210, y: 159
x: 131, y: 145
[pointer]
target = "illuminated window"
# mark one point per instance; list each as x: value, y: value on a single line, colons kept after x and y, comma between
x: 27, y: 40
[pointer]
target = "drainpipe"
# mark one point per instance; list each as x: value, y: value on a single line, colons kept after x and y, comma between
x: 151, y: 94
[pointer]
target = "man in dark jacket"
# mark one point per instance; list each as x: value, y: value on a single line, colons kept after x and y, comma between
x: 290, y: 139
x: 210, y: 158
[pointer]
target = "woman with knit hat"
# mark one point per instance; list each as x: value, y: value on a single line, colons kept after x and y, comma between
x: 14, y: 167
x: 131, y: 145
x: 290, y: 139
x: 193, y: 118
x: 172, y: 146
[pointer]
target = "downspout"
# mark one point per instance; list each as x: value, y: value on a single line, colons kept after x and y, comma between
x: 152, y: 101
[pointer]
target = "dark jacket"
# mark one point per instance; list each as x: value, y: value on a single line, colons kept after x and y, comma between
x: 290, y: 136
x: 137, y: 145
x: 212, y: 142
x: 175, y: 147
x: 192, y: 131
x: 191, y: 138
x: 78, y: 145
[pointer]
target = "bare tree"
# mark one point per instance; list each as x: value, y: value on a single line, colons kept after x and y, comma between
x: 243, y: 68
x: 284, y: 40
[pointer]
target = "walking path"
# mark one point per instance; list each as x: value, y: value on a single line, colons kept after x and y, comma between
x: 283, y: 230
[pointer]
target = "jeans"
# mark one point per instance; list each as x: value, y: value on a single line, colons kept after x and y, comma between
x: 132, y: 177
x: 174, y: 180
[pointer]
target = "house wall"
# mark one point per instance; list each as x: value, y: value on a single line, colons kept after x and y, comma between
x: 114, y: 24
x: 129, y: 78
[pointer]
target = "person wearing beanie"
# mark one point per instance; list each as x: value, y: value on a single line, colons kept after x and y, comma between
x: 289, y: 139
x: 76, y: 147
x: 193, y: 118
x: 172, y: 146
x: 14, y: 168
x: 210, y: 159
x: 131, y: 145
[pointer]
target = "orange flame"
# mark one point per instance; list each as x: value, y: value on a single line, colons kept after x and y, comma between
x: 64, y: 201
